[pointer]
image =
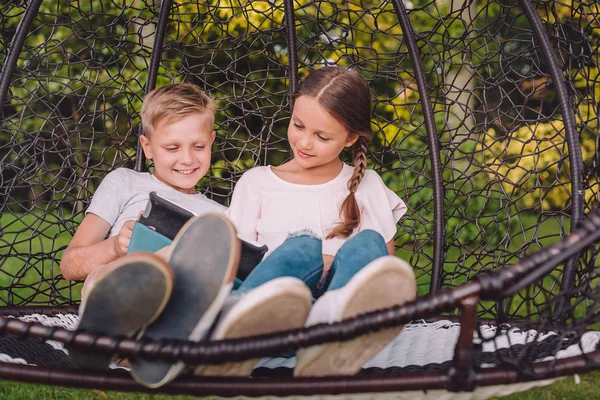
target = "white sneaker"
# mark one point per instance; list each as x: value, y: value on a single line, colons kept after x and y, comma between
x: 278, y: 305
x: 385, y: 282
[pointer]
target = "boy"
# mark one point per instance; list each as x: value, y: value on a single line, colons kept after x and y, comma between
x: 177, y: 121
x: 124, y: 292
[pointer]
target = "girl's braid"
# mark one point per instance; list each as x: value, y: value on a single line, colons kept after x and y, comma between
x: 360, y: 163
x: 350, y: 212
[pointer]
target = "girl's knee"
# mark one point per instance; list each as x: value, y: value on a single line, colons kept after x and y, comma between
x: 367, y: 242
x: 371, y: 237
x: 306, y: 240
x: 305, y: 235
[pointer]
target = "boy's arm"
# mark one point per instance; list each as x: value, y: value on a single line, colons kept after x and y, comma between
x: 89, y: 248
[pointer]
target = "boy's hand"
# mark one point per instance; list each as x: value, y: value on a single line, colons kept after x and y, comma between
x: 124, y: 237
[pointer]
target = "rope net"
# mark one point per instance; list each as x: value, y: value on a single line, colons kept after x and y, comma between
x: 71, y: 114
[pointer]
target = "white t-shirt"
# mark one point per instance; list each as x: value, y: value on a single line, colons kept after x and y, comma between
x: 265, y: 208
x: 123, y: 193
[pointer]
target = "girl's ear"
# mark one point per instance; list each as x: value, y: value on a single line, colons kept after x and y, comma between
x: 146, y: 146
x: 351, y: 140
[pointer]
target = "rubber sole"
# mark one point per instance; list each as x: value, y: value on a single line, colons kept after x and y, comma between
x: 386, y: 282
x: 129, y: 295
x: 204, y: 256
x: 278, y: 305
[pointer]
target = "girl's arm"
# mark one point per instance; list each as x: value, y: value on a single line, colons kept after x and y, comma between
x: 327, y: 261
x: 391, y: 247
x: 89, y: 249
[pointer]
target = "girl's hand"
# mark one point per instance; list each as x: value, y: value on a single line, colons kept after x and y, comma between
x: 327, y: 261
x: 124, y: 237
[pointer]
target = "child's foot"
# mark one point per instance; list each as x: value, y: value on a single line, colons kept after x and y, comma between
x: 385, y: 282
x: 278, y: 305
x: 204, y: 256
x: 123, y: 298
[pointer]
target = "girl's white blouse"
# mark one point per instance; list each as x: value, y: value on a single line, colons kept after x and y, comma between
x: 265, y: 208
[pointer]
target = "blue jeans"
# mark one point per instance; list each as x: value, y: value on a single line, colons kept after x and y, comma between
x: 301, y: 256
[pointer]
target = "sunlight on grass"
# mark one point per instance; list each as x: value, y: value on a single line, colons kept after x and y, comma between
x: 33, y: 244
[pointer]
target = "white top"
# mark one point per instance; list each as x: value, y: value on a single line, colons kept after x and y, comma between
x: 123, y: 193
x: 265, y: 208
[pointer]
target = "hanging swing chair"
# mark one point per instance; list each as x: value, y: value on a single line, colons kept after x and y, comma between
x: 486, y: 121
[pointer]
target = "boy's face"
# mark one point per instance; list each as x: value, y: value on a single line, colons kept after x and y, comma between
x: 181, y: 150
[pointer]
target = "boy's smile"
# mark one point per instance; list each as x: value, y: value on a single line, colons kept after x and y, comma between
x: 186, y: 171
x: 181, y: 150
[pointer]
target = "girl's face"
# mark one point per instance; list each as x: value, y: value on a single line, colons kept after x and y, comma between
x: 316, y: 138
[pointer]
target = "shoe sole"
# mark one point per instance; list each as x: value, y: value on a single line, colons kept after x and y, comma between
x: 390, y: 275
x: 204, y: 256
x: 124, y: 299
x: 286, y: 307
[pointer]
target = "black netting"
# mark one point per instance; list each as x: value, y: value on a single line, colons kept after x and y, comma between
x: 547, y: 336
x: 71, y: 114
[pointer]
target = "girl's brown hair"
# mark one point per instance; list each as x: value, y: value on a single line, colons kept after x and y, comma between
x: 345, y: 95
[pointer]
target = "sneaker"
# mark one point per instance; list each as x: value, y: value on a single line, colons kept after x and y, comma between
x: 278, y: 305
x: 204, y: 256
x: 124, y: 297
x: 385, y: 282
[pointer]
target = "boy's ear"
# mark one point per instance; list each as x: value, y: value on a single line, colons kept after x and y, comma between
x: 213, y: 135
x: 146, y: 146
x: 351, y: 140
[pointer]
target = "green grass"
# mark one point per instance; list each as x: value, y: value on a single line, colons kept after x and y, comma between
x: 565, y: 389
x: 36, y: 238
x: 20, y: 391
x: 477, y: 260
x: 33, y: 237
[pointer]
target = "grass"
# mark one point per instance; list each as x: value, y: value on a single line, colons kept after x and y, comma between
x: 20, y: 391
x: 38, y: 238
x: 461, y: 265
x: 564, y: 389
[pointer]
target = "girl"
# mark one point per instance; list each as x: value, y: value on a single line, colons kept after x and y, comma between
x: 329, y: 228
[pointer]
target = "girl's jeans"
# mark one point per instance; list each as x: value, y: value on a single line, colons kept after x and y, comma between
x: 300, y: 256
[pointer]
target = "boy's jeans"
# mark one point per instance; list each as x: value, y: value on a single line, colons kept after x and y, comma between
x: 300, y: 256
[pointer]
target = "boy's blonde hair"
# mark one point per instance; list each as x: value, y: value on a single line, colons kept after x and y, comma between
x: 175, y: 100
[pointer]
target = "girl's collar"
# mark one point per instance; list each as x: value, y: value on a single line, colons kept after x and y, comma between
x: 343, y: 172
